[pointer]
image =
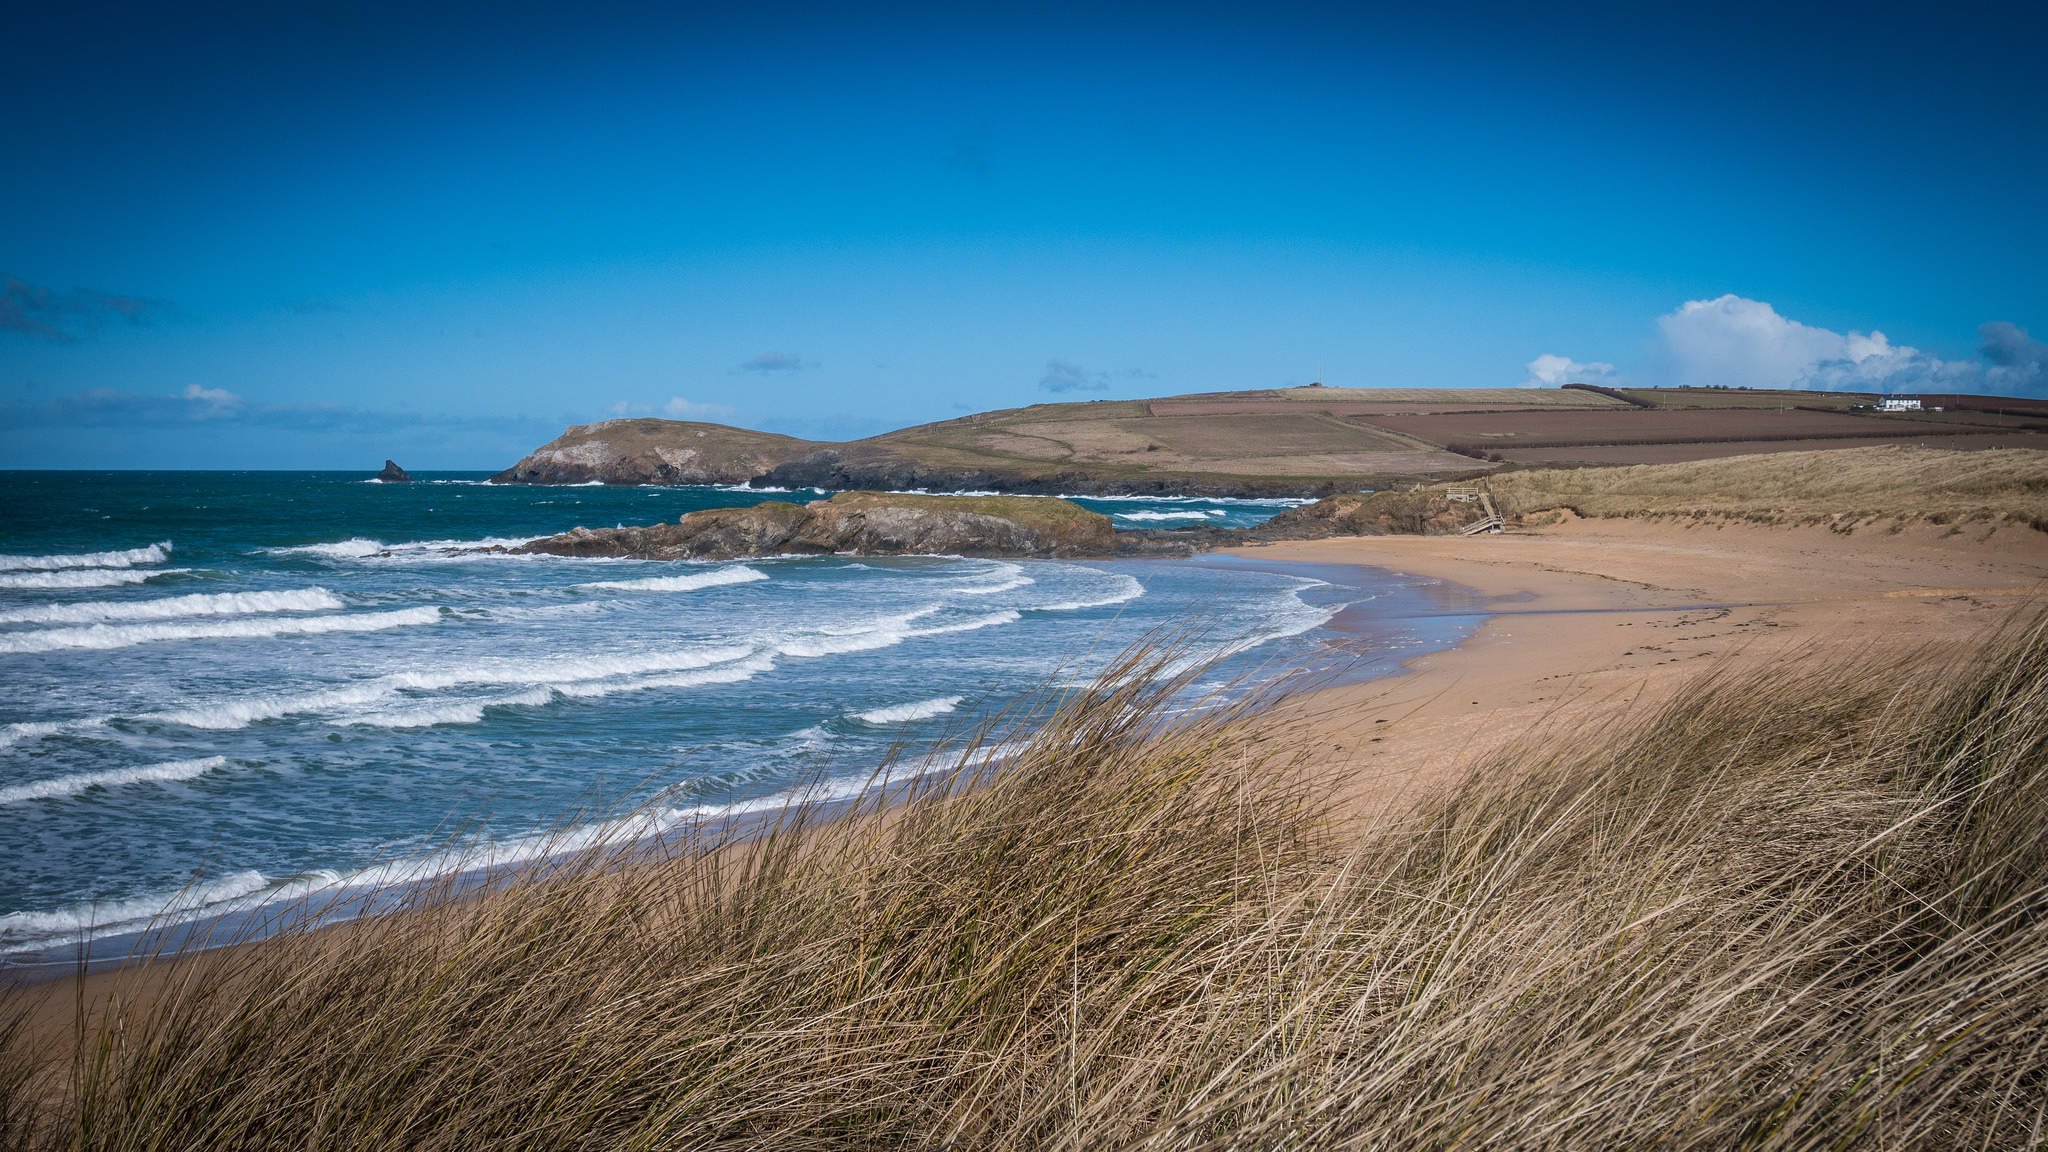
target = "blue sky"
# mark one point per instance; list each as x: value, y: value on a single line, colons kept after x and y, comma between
x: 316, y: 235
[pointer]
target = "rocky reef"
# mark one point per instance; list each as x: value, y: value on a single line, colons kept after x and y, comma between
x: 886, y: 523
x: 863, y: 467
x: 862, y: 523
x: 393, y: 474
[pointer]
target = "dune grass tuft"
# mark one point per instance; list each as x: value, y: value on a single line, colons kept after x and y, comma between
x: 1786, y: 911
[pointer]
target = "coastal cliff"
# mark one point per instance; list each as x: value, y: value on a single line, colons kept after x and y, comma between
x: 863, y: 523
x: 886, y: 524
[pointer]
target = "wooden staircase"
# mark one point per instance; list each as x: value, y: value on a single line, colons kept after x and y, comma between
x: 1491, y: 522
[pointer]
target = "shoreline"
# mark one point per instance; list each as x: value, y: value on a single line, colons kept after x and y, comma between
x: 1585, y: 623
x: 1591, y: 622
x: 243, y: 925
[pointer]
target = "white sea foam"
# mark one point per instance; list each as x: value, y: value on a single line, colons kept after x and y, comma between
x: 898, y: 713
x: 101, y: 636
x: 127, y: 558
x: 1202, y: 515
x: 217, y: 604
x: 114, y: 778
x: 714, y: 578
x: 85, y: 578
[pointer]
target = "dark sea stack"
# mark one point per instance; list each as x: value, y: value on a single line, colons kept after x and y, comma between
x: 393, y: 474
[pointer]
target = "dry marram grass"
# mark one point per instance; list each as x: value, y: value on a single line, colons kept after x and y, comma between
x: 1781, y: 913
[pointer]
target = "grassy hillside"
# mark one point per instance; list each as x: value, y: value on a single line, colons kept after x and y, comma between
x: 1843, y: 487
x: 1299, y: 441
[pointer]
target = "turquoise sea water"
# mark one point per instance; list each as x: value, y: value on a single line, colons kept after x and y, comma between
x: 227, y: 687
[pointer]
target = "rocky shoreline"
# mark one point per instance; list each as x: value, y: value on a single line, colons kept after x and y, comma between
x: 893, y: 524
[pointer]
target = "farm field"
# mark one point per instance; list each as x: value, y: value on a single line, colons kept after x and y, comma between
x: 1276, y: 442
x: 1686, y: 453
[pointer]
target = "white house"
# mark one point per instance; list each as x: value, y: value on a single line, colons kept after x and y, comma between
x: 1900, y: 404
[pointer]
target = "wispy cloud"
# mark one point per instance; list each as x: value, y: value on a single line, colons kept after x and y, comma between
x: 1066, y: 376
x: 198, y: 406
x: 774, y: 362
x: 678, y: 408
x: 63, y: 317
x: 1733, y: 341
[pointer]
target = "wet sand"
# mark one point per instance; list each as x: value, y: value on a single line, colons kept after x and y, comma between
x: 1600, y: 620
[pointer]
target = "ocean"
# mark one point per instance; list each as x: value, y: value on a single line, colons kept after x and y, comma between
x: 229, y: 688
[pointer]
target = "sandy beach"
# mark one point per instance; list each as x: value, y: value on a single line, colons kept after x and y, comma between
x: 1597, y: 620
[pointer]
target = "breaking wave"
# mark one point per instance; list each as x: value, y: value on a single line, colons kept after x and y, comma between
x: 217, y: 604
x: 1128, y: 588
x: 922, y: 710
x: 128, y: 558
x: 715, y: 578
x: 1204, y: 515
x: 87, y: 578
x: 362, y: 548
x: 122, y: 635
x: 73, y: 785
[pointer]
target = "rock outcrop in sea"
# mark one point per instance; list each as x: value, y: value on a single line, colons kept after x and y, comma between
x: 896, y: 524
x: 862, y: 523
x: 393, y: 474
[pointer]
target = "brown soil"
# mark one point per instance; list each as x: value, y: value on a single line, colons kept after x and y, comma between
x: 1683, y: 453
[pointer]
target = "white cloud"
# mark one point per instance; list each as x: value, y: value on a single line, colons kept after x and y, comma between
x: 1553, y: 371
x: 211, y: 395
x: 678, y: 408
x: 1735, y: 342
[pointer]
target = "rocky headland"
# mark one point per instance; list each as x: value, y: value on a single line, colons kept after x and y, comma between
x: 652, y: 451
x: 887, y: 523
